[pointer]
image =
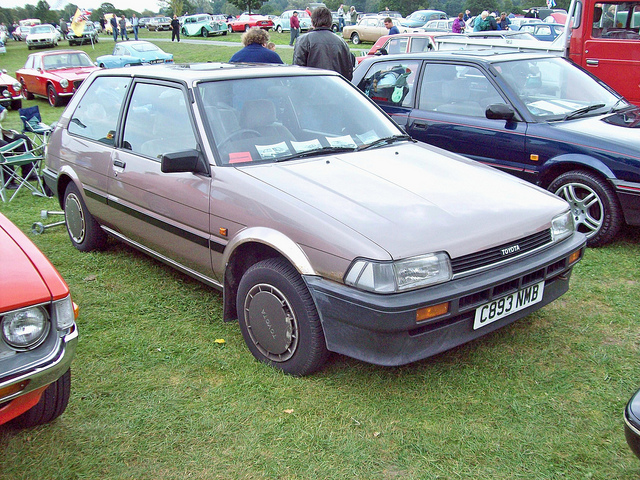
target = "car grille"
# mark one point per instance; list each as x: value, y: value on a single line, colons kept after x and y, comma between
x: 493, y: 255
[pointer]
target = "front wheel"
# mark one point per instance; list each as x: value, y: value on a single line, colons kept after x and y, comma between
x: 246, y: 28
x: 594, y: 205
x: 84, y: 231
x: 28, y: 95
x: 229, y: 28
x: 355, y: 38
x: 278, y: 318
x: 205, y: 32
x: 16, y: 104
x: 54, y: 98
x: 52, y: 404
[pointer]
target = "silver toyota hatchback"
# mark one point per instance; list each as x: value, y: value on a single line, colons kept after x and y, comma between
x: 326, y: 227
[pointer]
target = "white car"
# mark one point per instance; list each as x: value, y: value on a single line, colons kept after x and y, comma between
x: 43, y: 36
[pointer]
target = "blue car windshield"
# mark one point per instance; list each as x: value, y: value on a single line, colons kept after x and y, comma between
x: 281, y: 118
x: 553, y: 89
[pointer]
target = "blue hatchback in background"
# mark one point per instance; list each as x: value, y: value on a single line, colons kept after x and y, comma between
x: 536, y: 116
x: 126, y: 54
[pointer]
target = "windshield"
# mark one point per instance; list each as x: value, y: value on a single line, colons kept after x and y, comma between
x: 418, y: 17
x: 43, y: 29
x: 552, y: 88
x: 281, y: 118
x: 67, y: 60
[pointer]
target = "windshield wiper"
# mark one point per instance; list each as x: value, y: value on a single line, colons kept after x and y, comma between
x: 385, y: 141
x: 583, y: 110
x: 313, y: 153
x: 615, y: 105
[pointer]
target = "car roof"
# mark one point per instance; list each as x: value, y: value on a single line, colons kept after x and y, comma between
x: 477, y: 56
x: 55, y: 52
x: 212, y: 71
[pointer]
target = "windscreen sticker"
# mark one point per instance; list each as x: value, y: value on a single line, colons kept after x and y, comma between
x: 368, y: 137
x: 556, y: 107
x: 307, y: 146
x: 342, y: 142
x: 273, y: 151
x: 240, y: 157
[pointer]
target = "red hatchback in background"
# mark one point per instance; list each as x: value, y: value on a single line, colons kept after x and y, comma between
x: 55, y: 75
x: 403, y: 43
x: 244, y: 22
x: 38, y: 333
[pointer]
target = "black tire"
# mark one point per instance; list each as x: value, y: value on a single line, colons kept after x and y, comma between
x: 28, y: 95
x: 334, y: 28
x: 16, y: 105
x: 84, y: 231
x: 279, y: 29
x: 53, y: 97
x: 246, y: 28
x: 229, y: 28
x: 595, y: 207
x: 205, y: 32
x: 355, y: 38
x: 289, y: 335
x: 52, y: 404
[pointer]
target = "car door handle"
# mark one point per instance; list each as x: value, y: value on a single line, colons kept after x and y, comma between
x: 593, y: 62
x: 420, y: 125
x: 119, y: 163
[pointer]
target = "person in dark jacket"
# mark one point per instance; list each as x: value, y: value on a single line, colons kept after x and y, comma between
x: 255, y: 48
x: 114, y: 26
x: 321, y: 48
x: 175, y: 28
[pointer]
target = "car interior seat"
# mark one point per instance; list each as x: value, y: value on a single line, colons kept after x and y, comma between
x: 260, y: 115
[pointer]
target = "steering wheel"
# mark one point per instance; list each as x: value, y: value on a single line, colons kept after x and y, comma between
x: 238, y: 133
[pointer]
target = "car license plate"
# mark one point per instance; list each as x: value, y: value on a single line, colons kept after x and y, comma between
x: 505, y: 306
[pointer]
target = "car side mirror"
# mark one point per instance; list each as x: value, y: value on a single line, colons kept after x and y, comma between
x: 382, y: 51
x: 181, y: 162
x: 499, y: 111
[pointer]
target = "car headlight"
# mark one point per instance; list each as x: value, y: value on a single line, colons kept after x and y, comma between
x: 562, y: 226
x: 407, y: 274
x: 64, y: 83
x: 26, y: 328
x: 17, y: 87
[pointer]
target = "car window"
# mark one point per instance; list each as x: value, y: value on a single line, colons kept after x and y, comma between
x: 390, y: 83
x: 96, y: 116
x: 157, y: 121
x: 397, y: 45
x: 462, y: 90
x: 419, y: 44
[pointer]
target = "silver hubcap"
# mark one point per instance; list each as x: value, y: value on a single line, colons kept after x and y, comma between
x: 586, y: 207
x: 75, y: 218
x: 271, y: 322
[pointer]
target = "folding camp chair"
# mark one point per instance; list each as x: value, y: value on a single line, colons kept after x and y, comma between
x: 13, y: 157
x: 32, y: 123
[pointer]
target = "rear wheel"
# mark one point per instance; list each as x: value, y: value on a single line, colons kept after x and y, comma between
x: 279, y: 29
x: 594, y: 205
x: 246, y: 28
x: 355, y: 38
x: 84, y: 231
x: 278, y: 318
x: 28, y: 95
x: 230, y: 28
x: 52, y: 404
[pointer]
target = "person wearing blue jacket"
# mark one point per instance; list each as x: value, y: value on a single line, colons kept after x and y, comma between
x: 255, y: 48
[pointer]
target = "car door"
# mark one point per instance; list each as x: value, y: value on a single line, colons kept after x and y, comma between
x: 31, y: 73
x: 450, y: 112
x: 167, y: 213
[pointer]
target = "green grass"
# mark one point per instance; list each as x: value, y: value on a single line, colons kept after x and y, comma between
x: 155, y: 397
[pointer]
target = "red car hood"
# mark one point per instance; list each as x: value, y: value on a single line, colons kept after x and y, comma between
x: 72, y: 74
x: 28, y: 278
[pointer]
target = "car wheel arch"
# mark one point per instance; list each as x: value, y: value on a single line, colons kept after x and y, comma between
x: 252, y: 246
x: 556, y: 166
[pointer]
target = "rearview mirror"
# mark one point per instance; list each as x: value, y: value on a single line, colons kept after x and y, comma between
x: 181, y: 162
x: 499, y: 111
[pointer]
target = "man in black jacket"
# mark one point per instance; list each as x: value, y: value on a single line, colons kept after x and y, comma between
x: 321, y: 48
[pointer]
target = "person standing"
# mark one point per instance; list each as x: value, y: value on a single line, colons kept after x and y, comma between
x: 467, y: 16
x: 255, y: 41
x: 353, y: 15
x: 175, y: 28
x: 341, y: 14
x: 123, y: 28
x: 135, y: 23
x: 458, y: 24
x: 504, y: 21
x: 321, y: 48
x: 388, y: 24
x: 114, y: 26
x: 64, y: 28
x: 295, y: 28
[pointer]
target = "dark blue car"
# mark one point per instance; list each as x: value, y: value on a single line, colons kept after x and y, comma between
x: 536, y: 116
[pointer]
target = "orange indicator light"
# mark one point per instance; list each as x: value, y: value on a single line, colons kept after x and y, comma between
x: 432, y: 311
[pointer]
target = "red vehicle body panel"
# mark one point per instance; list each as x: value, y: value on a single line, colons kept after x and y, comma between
x: 612, y: 59
x: 18, y: 406
x: 240, y: 24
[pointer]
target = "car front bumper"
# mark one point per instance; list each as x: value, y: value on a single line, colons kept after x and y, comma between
x: 32, y: 381
x: 382, y: 329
